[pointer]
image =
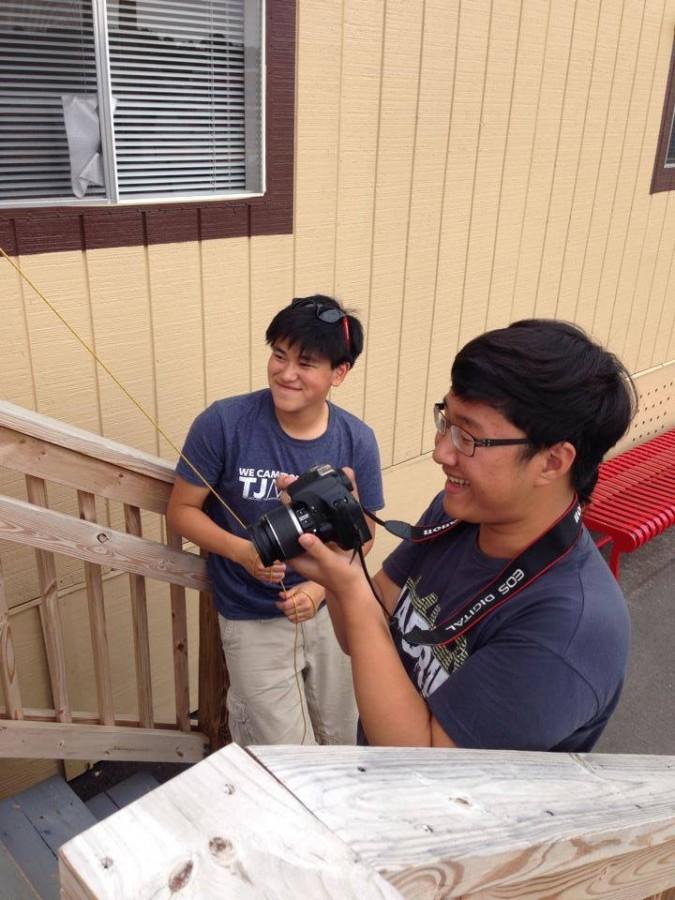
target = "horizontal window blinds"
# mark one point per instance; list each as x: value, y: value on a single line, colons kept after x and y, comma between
x: 185, y: 79
x: 177, y: 72
x: 46, y: 50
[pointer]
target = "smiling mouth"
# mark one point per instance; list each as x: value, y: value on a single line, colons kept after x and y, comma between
x: 459, y: 482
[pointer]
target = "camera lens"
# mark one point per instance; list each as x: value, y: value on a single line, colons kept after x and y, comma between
x: 275, y: 535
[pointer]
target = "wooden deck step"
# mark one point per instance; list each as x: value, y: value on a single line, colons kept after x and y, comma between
x: 35, y: 823
x: 13, y: 883
x: 120, y: 795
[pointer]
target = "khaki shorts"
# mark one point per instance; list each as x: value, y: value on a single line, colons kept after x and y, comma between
x: 266, y: 703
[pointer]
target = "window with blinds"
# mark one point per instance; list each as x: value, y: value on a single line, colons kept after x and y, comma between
x: 663, y: 176
x: 670, y: 155
x: 130, y: 100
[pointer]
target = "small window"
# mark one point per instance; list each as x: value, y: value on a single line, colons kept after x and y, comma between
x: 130, y: 101
x: 664, y: 168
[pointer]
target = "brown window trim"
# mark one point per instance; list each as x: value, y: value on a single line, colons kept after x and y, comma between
x: 47, y: 229
x: 663, y: 178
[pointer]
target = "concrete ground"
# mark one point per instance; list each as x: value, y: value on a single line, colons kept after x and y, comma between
x: 644, y: 721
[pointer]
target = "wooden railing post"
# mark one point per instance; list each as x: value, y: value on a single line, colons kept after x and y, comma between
x: 99, y: 634
x: 213, y: 678
x: 180, y: 648
x: 139, y: 616
x: 50, y: 614
x: 8, y: 679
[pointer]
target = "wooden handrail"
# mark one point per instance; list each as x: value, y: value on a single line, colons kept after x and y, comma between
x: 63, y: 465
x: 369, y: 822
x: 46, y: 450
x: 86, y: 442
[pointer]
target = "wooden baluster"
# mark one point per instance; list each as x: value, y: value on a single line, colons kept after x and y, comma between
x: 213, y: 677
x: 180, y: 648
x: 50, y: 614
x: 99, y: 635
x: 8, y: 676
x: 139, y: 612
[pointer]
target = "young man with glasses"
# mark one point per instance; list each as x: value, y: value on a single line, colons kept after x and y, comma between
x: 507, y: 631
x: 240, y: 445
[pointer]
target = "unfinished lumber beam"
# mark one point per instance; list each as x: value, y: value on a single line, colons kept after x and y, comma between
x: 66, y: 740
x: 225, y: 828
x: 493, y: 824
x: 59, y: 533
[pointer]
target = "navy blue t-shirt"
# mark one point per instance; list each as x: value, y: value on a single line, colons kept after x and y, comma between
x: 239, y: 447
x: 542, y: 672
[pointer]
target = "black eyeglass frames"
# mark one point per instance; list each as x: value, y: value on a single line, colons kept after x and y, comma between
x: 464, y: 442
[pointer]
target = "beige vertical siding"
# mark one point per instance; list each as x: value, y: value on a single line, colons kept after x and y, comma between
x: 458, y: 165
x: 434, y: 101
x: 361, y: 64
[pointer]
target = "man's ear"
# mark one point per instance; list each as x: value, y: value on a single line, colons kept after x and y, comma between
x: 556, y: 462
x: 340, y: 373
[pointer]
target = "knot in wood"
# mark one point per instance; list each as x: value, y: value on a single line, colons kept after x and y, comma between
x: 102, y: 537
x: 221, y: 846
x: 180, y: 876
x: 107, y: 862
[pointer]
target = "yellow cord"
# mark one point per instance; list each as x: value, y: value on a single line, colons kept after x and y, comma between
x: 161, y: 431
x: 301, y: 693
x: 119, y: 384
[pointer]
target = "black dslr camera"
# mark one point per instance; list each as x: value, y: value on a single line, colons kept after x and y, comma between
x: 322, y: 504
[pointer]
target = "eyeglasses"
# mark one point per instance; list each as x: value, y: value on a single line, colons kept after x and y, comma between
x: 464, y: 442
x: 325, y: 313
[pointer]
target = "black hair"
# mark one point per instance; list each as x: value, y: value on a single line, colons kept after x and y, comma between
x: 549, y: 379
x: 300, y: 324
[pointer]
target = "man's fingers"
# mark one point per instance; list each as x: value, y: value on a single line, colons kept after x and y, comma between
x: 312, y: 545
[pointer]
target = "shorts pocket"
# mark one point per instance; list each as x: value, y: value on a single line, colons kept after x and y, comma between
x: 238, y: 721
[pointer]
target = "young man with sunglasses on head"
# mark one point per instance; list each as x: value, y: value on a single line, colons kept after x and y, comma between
x: 240, y: 445
x: 506, y: 631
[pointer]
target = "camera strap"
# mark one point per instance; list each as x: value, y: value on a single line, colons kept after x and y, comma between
x: 416, y: 533
x: 518, y: 573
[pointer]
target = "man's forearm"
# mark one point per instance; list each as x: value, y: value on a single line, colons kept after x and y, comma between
x: 196, y: 526
x: 392, y: 712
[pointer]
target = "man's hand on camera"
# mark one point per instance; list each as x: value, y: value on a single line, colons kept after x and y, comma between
x: 328, y: 565
x: 250, y: 561
x: 301, y: 602
x: 282, y: 483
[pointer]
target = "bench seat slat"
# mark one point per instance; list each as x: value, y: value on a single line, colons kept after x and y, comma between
x: 634, y: 499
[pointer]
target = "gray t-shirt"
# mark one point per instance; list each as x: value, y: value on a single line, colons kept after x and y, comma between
x: 542, y: 672
x: 239, y: 447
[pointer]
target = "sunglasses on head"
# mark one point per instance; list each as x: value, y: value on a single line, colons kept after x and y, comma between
x: 325, y: 313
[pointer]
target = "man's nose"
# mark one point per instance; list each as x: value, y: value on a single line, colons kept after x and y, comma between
x: 289, y: 371
x: 445, y: 451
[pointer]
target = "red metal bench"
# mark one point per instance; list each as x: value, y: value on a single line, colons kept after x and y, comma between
x: 634, y: 499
